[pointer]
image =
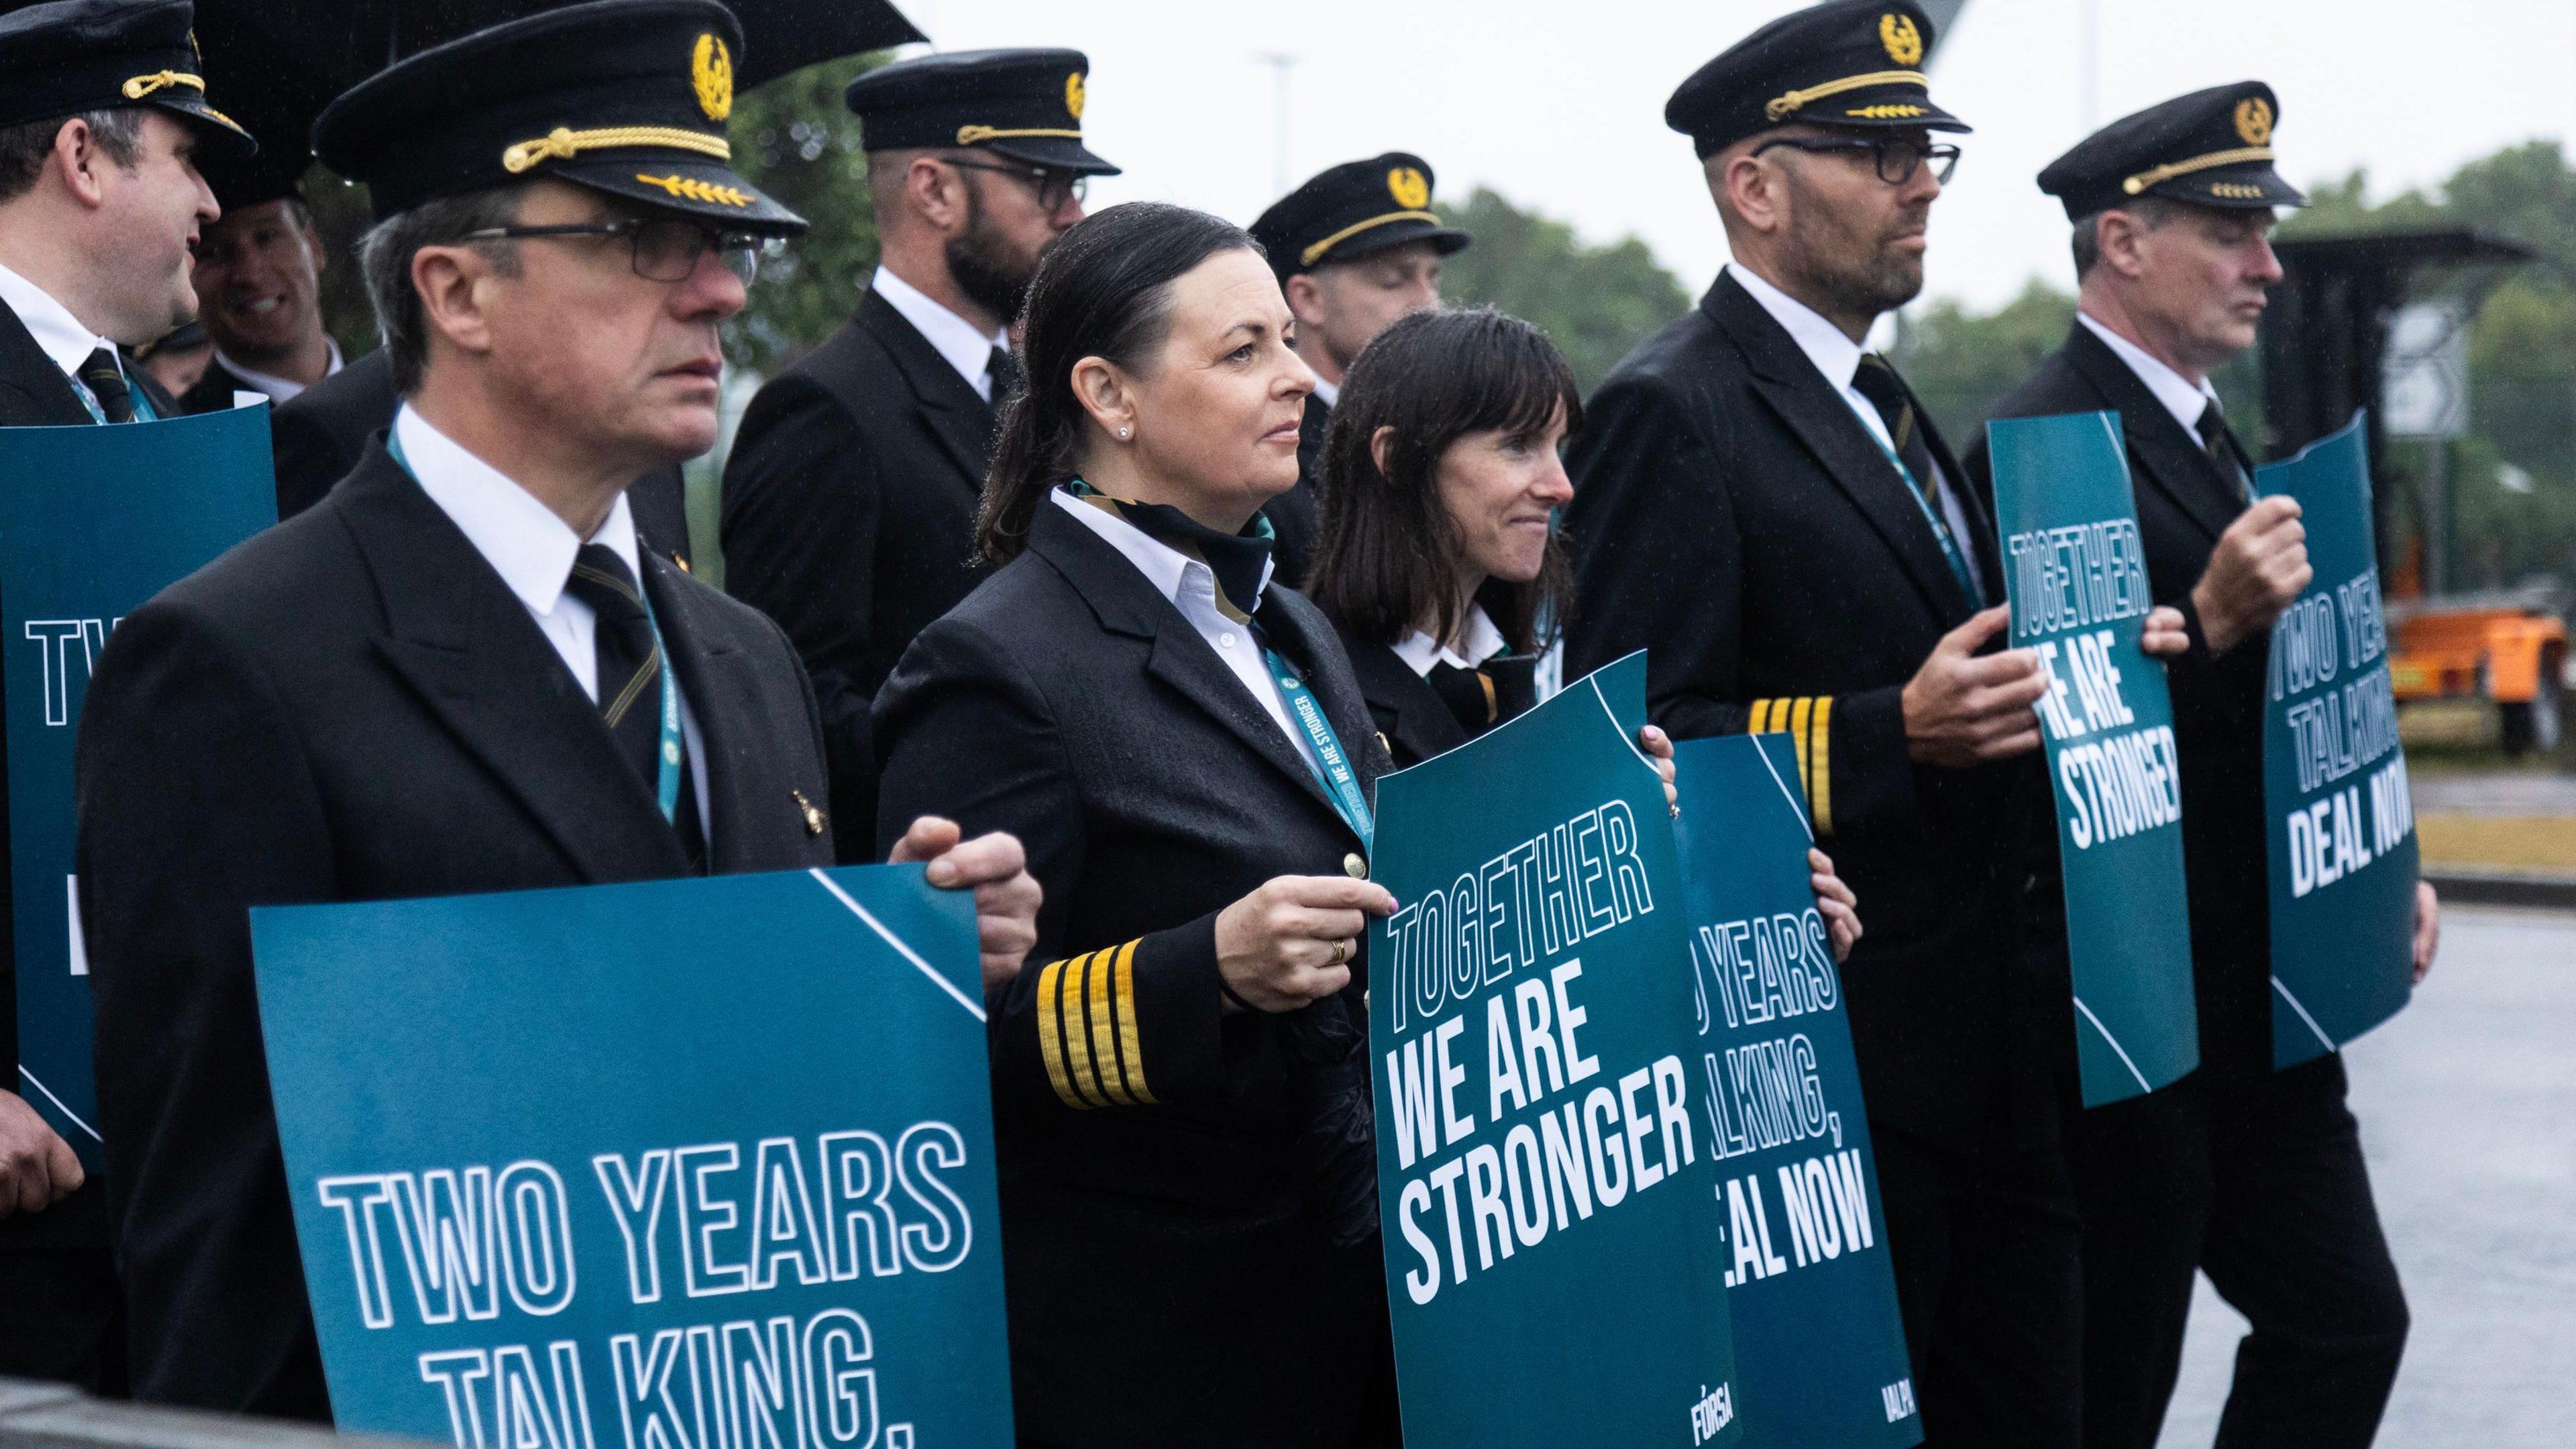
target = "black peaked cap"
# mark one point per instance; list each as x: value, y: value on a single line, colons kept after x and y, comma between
x: 70, y: 56
x: 2209, y: 148
x: 1025, y: 104
x: 626, y: 97
x: 1348, y: 211
x: 1847, y: 63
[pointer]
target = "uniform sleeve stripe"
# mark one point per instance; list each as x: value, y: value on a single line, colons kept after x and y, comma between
x: 1798, y: 711
x: 1129, y: 1053
x: 1105, y: 1076
x: 1820, y: 759
x: 1761, y: 718
x: 1050, y: 1033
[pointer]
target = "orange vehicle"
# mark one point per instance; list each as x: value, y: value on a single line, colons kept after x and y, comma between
x: 2508, y: 649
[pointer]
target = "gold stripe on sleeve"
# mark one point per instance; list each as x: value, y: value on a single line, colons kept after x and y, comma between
x: 1761, y: 709
x: 1050, y: 1038
x: 1130, y: 1054
x: 1820, y: 758
x: 1077, y: 1031
x: 1798, y: 712
x: 1103, y: 1054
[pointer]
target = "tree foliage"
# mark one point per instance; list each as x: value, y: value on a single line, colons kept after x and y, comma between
x: 796, y: 140
x: 1595, y: 302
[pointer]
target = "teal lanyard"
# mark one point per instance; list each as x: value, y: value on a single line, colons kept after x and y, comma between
x: 1340, y: 782
x: 667, y: 759
x: 1959, y: 570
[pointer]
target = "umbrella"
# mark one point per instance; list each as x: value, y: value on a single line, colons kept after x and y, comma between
x: 349, y: 40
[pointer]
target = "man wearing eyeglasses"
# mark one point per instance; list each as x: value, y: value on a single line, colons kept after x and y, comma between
x: 459, y: 672
x: 850, y: 497
x: 1762, y: 504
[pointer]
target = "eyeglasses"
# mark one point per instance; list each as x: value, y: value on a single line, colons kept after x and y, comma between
x: 1054, y: 188
x: 665, y: 248
x: 1897, y: 158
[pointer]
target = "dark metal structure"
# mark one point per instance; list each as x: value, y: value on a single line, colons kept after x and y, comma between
x: 2325, y: 335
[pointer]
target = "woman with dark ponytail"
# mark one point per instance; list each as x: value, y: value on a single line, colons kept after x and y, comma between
x: 1187, y: 1178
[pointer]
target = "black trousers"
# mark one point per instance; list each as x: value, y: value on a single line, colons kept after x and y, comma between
x: 61, y: 1317
x: 1987, y: 1257
x: 2257, y: 1179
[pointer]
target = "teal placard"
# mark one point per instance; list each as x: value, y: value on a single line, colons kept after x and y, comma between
x: 2340, y: 820
x: 1554, y: 1233
x: 2077, y: 575
x: 1819, y: 1345
x: 701, y: 1164
x: 93, y: 521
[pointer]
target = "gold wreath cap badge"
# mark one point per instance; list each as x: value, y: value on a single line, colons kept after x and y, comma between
x: 711, y: 71
x: 1074, y: 95
x: 1410, y: 188
x: 1903, y: 41
x: 2254, y: 121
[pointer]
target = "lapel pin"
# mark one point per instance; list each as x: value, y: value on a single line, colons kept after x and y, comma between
x: 813, y: 817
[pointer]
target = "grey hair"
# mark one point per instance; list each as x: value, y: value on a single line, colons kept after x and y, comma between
x: 2152, y: 213
x: 24, y: 147
x: 385, y: 254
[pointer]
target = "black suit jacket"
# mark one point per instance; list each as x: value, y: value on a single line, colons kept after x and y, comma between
x: 1413, y: 722
x: 322, y: 432
x: 214, y: 390
x: 2184, y: 503
x: 34, y: 393
x: 849, y: 517
x: 1297, y: 516
x: 350, y: 706
x: 1735, y: 519
x: 1167, y: 1286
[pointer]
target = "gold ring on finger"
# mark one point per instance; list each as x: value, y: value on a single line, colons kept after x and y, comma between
x: 1341, y: 952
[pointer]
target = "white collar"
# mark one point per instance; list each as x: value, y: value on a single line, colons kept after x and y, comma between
x: 1836, y: 356
x: 2180, y: 398
x: 1481, y: 639
x: 278, y: 389
x: 1330, y: 392
x: 56, y: 330
x: 1163, y: 566
x: 951, y: 336
x: 524, y: 541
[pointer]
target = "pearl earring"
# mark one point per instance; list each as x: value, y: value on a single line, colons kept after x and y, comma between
x: 1123, y: 432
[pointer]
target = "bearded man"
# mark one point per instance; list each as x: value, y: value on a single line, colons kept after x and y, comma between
x: 1762, y: 504
x: 849, y: 502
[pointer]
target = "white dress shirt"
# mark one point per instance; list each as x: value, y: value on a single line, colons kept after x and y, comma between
x: 532, y: 549
x: 1838, y: 358
x: 276, y: 389
x: 58, y: 333
x: 1330, y: 392
x: 1478, y: 641
x: 951, y: 336
x: 1191, y: 586
x: 2180, y: 398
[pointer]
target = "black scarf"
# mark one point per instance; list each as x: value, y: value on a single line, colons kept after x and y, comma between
x: 1240, y: 561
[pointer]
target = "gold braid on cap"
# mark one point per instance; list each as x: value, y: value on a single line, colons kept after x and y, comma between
x: 563, y: 143
x: 1783, y: 107
x: 969, y: 135
x: 1310, y: 254
x: 144, y: 85
x: 2162, y: 174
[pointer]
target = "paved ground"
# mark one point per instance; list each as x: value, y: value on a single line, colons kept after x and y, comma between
x: 2467, y: 1103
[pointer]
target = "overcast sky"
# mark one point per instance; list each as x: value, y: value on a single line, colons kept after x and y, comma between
x: 1560, y: 106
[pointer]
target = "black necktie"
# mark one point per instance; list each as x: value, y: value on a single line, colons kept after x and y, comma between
x: 2224, y: 452
x: 1502, y: 688
x: 630, y: 679
x: 1877, y: 381
x: 1005, y: 372
x: 106, y: 382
